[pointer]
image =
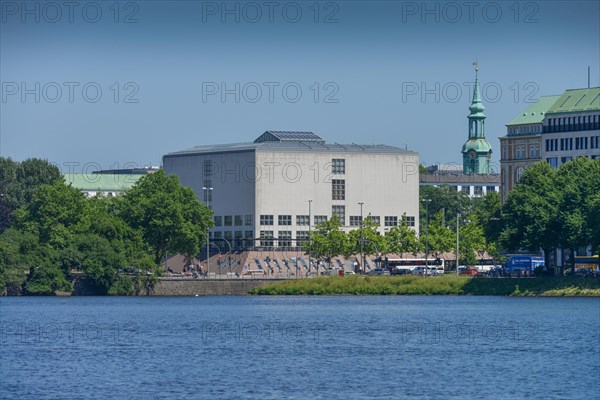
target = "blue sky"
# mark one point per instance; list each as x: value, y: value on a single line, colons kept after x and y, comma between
x: 361, y: 68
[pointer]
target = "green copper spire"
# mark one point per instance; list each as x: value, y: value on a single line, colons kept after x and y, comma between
x: 477, y: 150
x: 476, y: 107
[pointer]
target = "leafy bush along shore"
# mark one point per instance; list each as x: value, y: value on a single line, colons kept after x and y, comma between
x: 446, y: 285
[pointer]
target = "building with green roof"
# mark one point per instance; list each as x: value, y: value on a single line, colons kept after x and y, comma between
x: 102, y: 184
x: 555, y: 129
x: 520, y: 148
x: 571, y: 127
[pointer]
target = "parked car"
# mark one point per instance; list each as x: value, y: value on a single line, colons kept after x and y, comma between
x: 468, y: 271
x: 378, y: 271
x: 425, y: 271
x: 349, y: 273
x: 400, y: 271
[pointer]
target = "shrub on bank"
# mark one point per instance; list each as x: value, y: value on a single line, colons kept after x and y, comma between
x: 445, y: 285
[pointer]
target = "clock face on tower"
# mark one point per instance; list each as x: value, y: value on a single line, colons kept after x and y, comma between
x: 472, y: 154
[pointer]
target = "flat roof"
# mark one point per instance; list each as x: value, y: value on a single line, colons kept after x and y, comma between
x: 448, y: 179
x: 291, y: 146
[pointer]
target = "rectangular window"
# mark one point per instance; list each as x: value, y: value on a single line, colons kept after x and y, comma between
x: 466, y: 189
x: 266, y: 238
x: 284, y: 238
x: 338, y: 189
x: 355, y: 220
x: 390, y: 220
x: 562, y: 144
x: 576, y: 143
x: 547, y: 145
x: 478, y: 190
x: 340, y: 211
x: 338, y: 166
x: 218, y: 220
x: 553, y: 161
x: 374, y: 219
x: 285, y: 220
x: 218, y: 235
x: 228, y: 219
x: 534, y: 151
x: 301, y: 236
x: 410, y: 220
x: 520, y: 152
x: 490, y: 189
x: 249, y: 238
x: 228, y: 235
x: 248, y: 220
x: 238, y: 238
x: 565, y: 159
x: 319, y: 219
x: 302, y: 220
x: 207, y: 168
x: 266, y: 220
x: 238, y: 220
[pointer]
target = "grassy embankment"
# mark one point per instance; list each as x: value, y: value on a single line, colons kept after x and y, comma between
x: 445, y: 285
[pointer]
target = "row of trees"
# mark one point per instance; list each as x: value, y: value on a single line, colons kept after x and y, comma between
x: 329, y: 241
x: 552, y: 208
x: 548, y: 209
x: 50, y: 229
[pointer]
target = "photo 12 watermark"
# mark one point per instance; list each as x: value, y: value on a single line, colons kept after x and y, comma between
x: 54, y: 12
x: 252, y: 12
x: 70, y: 333
x: 453, y: 12
x: 454, y: 92
x: 462, y: 332
x: 215, y: 333
x: 69, y: 92
x: 270, y: 92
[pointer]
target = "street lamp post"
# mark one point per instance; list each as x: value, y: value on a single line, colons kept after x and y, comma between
x: 207, y: 193
x: 362, y: 254
x: 309, y: 237
x: 457, y: 221
x: 427, y: 201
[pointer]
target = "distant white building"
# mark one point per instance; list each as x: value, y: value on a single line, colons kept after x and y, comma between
x: 267, y: 189
x: 102, y: 184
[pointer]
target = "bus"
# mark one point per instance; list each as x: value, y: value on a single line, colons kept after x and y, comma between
x: 486, y: 264
x: 586, y: 262
x: 410, y: 264
x: 523, y: 264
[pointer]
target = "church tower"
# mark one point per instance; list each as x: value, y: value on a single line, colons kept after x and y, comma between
x: 477, y: 151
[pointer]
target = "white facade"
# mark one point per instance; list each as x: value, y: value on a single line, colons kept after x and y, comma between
x: 262, y: 190
x: 567, y: 136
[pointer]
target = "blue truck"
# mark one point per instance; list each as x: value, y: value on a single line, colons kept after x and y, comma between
x: 523, y: 264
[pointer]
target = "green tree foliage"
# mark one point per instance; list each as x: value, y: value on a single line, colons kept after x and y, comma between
x: 579, y: 183
x: 327, y: 241
x: 529, y: 214
x: 472, y: 241
x: 444, y: 199
x: 441, y: 238
x: 170, y: 217
x: 551, y: 208
x: 372, y: 243
x: 18, y: 182
x: 55, y: 214
x: 401, y: 239
x: 19, y: 251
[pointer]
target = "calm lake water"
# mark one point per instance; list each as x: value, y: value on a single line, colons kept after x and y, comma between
x: 300, y: 348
